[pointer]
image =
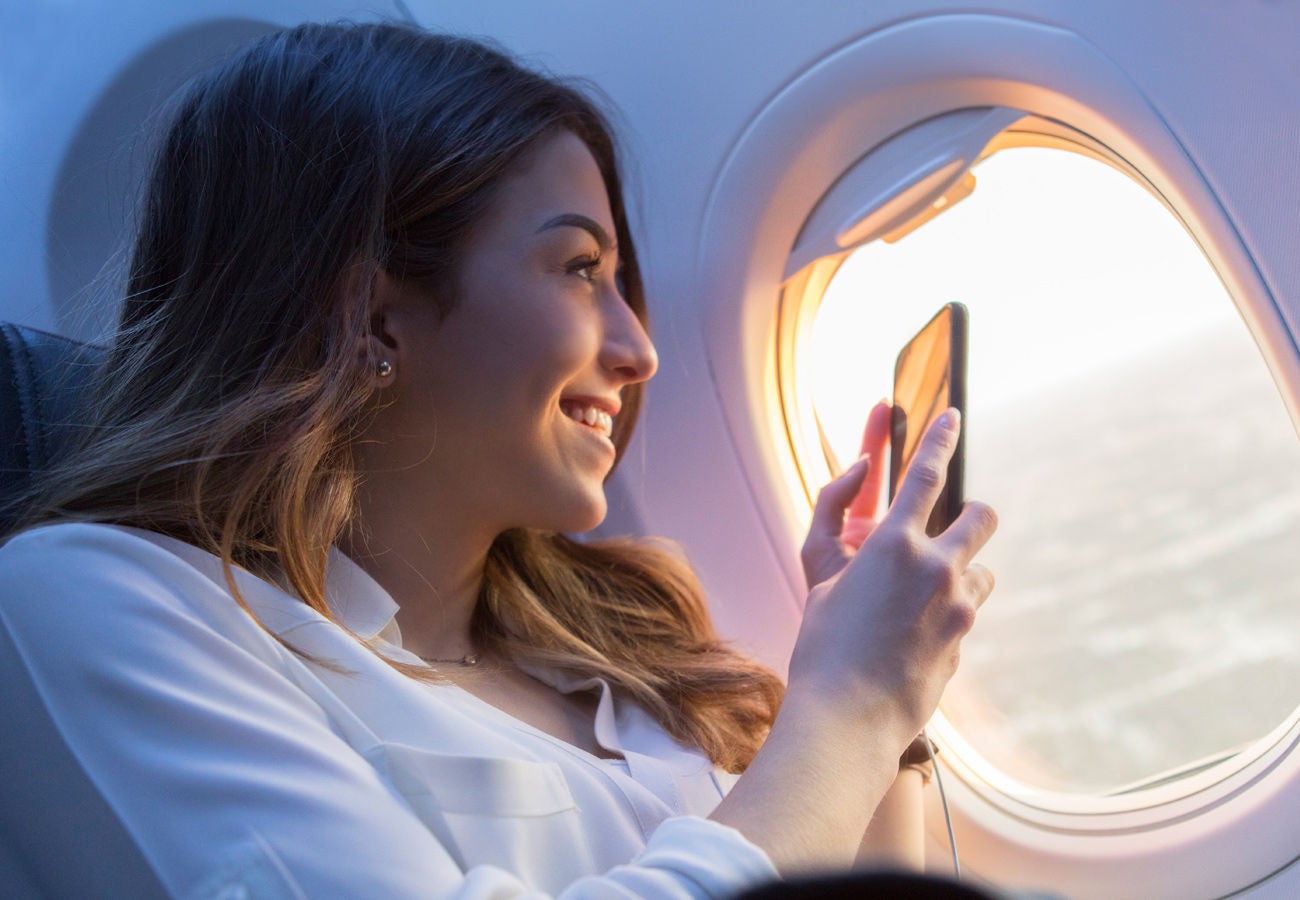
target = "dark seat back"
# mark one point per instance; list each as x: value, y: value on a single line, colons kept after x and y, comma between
x: 43, y: 379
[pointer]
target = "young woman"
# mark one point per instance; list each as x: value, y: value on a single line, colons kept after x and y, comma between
x: 300, y: 619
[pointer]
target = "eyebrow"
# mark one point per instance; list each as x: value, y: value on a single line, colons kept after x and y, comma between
x: 576, y: 220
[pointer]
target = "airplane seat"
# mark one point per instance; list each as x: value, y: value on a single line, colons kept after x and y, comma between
x: 42, y: 378
x: 50, y: 803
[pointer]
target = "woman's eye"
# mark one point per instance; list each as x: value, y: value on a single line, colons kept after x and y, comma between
x: 585, y: 267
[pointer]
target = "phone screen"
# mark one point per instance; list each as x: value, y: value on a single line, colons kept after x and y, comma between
x: 929, y: 377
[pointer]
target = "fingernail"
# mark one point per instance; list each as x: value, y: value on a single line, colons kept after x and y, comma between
x: 950, y: 418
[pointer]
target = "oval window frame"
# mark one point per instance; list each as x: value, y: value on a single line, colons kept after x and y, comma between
x: 799, y: 304
x: 1225, y: 830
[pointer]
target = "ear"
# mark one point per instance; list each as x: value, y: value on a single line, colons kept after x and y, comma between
x: 390, y: 328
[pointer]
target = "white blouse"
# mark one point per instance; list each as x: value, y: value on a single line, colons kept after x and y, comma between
x: 161, y: 714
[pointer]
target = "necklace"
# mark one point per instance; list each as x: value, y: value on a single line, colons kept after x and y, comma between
x: 469, y: 659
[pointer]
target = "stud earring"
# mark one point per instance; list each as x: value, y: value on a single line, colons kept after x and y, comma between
x: 384, y: 369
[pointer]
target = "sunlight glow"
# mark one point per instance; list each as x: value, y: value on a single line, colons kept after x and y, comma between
x: 1146, y: 475
x: 1056, y: 291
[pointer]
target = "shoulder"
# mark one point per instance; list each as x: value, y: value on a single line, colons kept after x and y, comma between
x: 89, y: 564
x: 72, y: 578
x: 80, y: 534
x: 83, y: 542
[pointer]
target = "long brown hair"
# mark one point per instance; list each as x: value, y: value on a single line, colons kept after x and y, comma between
x: 230, y: 398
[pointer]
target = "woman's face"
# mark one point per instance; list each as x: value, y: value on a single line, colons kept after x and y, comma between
x: 504, y: 405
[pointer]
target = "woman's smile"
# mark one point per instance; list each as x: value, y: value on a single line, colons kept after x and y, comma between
x: 593, y: 415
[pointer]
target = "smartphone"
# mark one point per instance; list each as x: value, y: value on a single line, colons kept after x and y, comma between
x: 929, y: 377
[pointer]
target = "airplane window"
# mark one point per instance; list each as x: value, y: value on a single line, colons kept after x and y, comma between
x: 1146, y: 473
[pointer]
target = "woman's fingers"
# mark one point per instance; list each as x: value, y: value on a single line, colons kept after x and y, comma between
x: 922, y: 485
x: 970, y: 532
x: 875, y: 437
x: 925, y: 476
x: 823, y: 553
x: 834, y: 498
x: 845, y: 513
x: 978, y: 581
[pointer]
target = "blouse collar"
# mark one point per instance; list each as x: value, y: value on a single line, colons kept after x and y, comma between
x: 356, y: 599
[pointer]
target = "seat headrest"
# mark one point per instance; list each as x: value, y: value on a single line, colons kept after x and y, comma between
x: 43, y: 380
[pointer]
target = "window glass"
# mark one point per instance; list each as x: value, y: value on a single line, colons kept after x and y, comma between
x: 1145, y: 472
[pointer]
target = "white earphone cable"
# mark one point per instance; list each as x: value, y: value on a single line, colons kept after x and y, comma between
x: 943, y: 798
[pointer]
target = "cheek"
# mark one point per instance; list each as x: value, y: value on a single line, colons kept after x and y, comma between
x: 549, y: 347
x: 510, y: 377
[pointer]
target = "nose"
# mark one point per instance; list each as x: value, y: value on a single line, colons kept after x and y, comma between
x: 627, y: 351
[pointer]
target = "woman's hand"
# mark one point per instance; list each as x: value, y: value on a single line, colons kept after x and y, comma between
x: 879, y: 641
x: 885, y: 625
x: 845, y: 514
x: 843, y: 519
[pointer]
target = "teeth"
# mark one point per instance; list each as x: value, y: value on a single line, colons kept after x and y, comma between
x: 590, y: 416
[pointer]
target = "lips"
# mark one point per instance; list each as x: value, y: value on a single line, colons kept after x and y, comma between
x: 590, y: 413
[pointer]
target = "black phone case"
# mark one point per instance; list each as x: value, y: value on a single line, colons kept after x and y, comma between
x: 953, y: 496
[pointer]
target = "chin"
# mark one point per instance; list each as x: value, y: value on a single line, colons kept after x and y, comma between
x: 576, y: 518
x: 589, y: 522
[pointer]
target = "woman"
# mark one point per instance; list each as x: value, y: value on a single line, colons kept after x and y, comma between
x: 300, y: 613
